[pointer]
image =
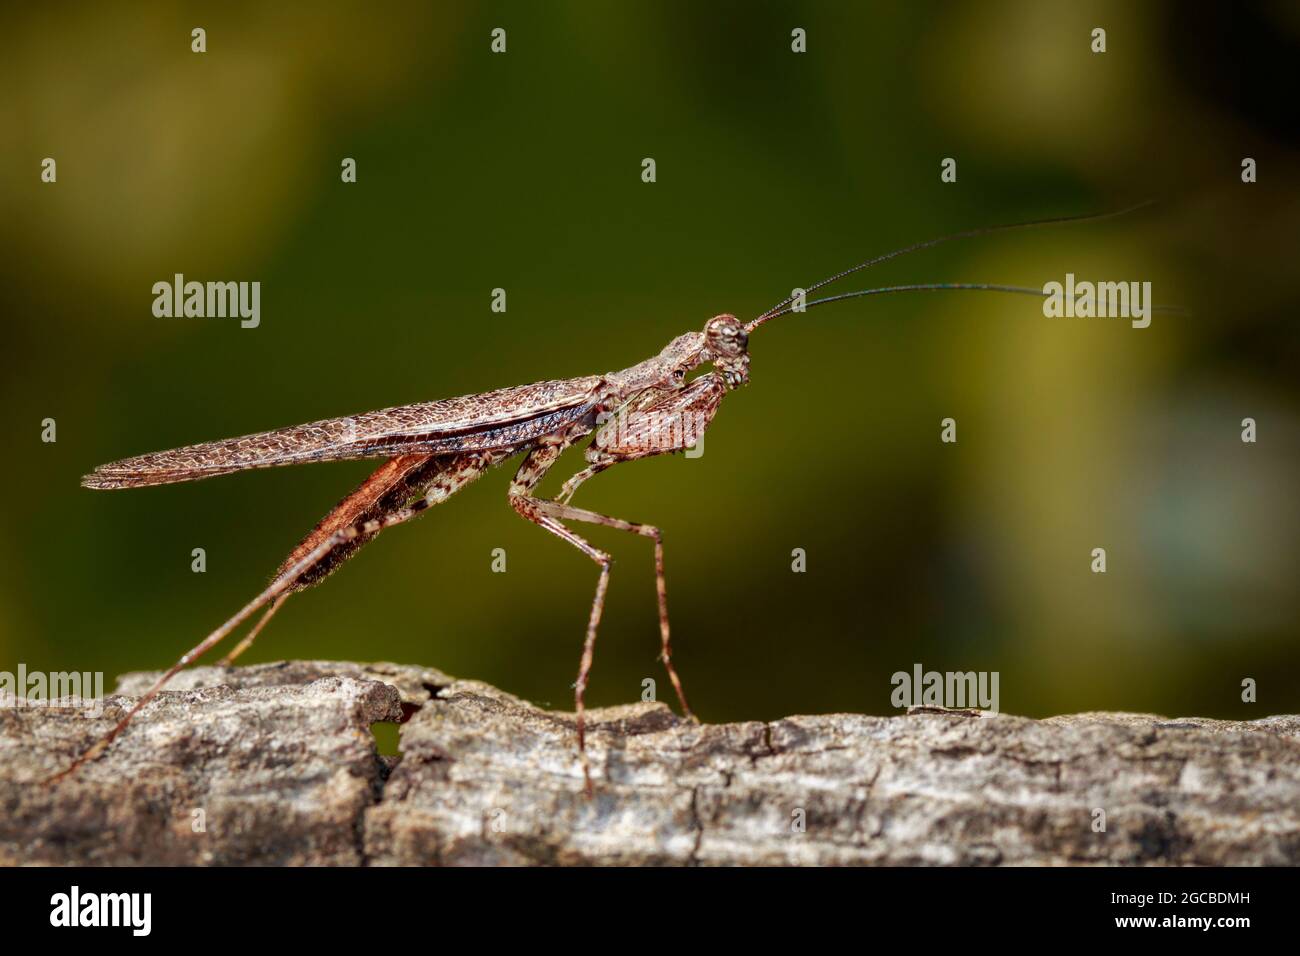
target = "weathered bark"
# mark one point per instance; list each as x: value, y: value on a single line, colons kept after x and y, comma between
x: 277, y: 764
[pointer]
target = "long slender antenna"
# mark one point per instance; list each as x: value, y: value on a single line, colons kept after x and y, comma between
x: 780, y: 307
x: 942, y: 287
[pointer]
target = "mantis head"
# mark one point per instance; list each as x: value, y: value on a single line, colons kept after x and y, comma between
x: 726, y: 345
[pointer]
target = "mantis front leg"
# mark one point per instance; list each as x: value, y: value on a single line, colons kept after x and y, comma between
x: 669, y: 422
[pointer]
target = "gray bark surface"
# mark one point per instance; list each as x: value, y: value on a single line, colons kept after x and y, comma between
x: 276, y: 764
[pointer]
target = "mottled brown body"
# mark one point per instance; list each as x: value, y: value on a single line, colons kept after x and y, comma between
x: 433, y: 449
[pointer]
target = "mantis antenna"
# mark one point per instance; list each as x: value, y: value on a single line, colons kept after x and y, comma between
x: 781, y: 307
x: 937, y: 287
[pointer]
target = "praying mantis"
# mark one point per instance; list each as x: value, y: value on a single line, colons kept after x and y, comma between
x: 432, y: 450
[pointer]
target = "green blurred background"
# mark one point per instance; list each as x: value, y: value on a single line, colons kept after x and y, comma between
x: 774, y: 169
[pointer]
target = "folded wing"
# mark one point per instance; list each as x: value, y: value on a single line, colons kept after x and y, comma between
x: 504, y: 418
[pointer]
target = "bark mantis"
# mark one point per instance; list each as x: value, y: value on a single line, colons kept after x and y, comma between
x: 432, y: 450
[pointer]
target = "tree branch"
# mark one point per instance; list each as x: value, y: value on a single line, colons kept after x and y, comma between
x: 275, y: 764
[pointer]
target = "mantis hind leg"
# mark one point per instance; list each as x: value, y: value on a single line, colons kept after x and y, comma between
x: 402, y: 486
x: 247, y: 642
x: 335, y: 535
x: 365, y: 502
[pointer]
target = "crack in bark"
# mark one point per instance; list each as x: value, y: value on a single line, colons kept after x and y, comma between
x: 698, y: 821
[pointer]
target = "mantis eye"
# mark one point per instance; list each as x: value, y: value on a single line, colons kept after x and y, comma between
x: 726, y: 337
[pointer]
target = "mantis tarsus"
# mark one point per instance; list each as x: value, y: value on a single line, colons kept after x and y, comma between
x: 434, y: 449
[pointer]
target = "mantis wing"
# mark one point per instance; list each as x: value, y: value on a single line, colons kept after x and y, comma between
x: 504, y: 418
